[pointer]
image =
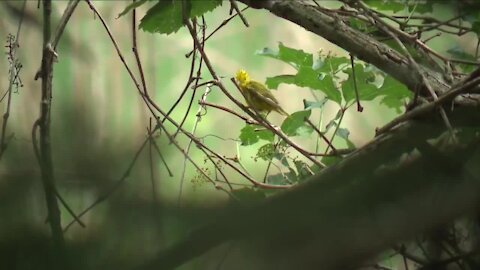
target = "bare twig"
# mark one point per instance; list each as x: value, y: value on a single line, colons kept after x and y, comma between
x: 247, y: 120
x: 59, y: 30
x: 72, y: 4
x: 162, y: 158
x: 337, y: 126
x: 199, y: 70
x: 189, y: 82
x: 325, y: 139
x: 144, y: 86
x: 150, y: 157
x: 187, y: 150
x: 239, y: 12
x: 355, y: 86
x: 218, y: 28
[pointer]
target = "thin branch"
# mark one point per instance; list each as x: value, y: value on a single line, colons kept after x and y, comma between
x: 337, y: 126
x: 13, y: 45
x: 187, y: 150
x: 199, y: 70
x: 189, y: 82
x: 247, y: 120
x: 162, y: 158
x: 144, y: 85
x: 239, y: 12
x: 355, y: 86
x: 63, y: 22
x: 325, y: 139
x: 218, y: 28
x: 185, y: 154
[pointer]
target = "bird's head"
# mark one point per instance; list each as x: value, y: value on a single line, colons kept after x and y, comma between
x: 242, y: 77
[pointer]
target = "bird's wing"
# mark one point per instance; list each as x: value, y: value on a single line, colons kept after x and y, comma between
x: 258, y: 90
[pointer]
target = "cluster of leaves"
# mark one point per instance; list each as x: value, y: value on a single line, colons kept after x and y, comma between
x: 326, y: 73
x: 333, y: 77
x: 166, y: 17
x: 203, y: 173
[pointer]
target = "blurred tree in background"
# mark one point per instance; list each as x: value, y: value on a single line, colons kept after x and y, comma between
x: 126, y: 142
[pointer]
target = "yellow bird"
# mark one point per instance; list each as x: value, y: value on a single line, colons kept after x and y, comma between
x: 257, y: 94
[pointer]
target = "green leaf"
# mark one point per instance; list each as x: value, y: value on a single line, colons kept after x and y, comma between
x: 333, y: 122
x: 166, y: 16
x: 295, y: 124
x: 332, y: 64
x: 331, y: 160
x: 303, y: 171
x: 265, y: 134
x: 282, y: 158
x: 330, y: 124
x: 248, y: 135
x: 307, y: 77
x: 366, y: 89
x: 344, y: 133
x: 476, y: 28
x: 467, y: 68
x: 308, y: 105
x: 461, y: 54
x: 249, y: 195
x: 294, y: 57
x: 277, y: 179
x: 394, y: 94
x: 274, y: 82
x: 292, y: 175
x: 132, y: 6
x: 420, y: 7
x: 311, y: 74
x: 269, y: 52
